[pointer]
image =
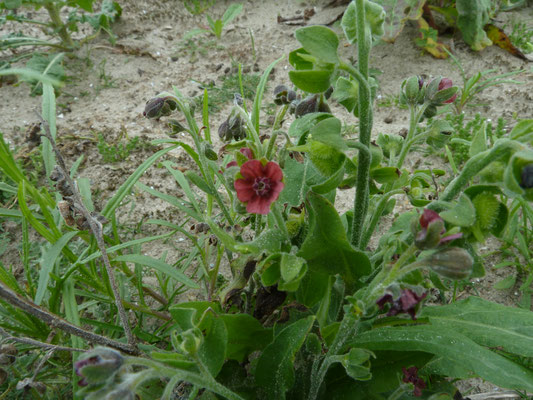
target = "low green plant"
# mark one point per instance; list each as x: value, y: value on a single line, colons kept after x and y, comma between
x: 55, y: 26
x: 197, y: 7
x: 522, y: 36
x: 216, y: 26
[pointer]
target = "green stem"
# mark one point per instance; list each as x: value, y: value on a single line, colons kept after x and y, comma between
x: 501, y: 149
x: 57, y: 23
x: 377, y: 216
x: 365, y: 124
x: 414, y: 118
x: 214, y: 271
x: 271, y: 143
x: 276, y: 211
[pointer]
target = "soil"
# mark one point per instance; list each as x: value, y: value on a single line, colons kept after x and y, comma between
x: 108, y: 87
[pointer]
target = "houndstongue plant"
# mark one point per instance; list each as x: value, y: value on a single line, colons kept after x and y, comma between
x: 313, y: 310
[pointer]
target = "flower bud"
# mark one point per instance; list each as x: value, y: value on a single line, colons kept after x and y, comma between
x: 176, y: 126
x: 441, y: 91
x: 189, y: 341
x: 527, y: 177
x: 428, y: 231
x: 452, y: 263
x: 281, y: 95
x: 159, y: 106
x: 412, y: 90
x: 430, y: 111
x: 98, y: 366
x: 209, y: 152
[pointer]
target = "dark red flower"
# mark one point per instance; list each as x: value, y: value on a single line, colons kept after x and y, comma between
x: 410, y: 375
x: 405, y: 304
x: 259, y: 186
x: 432, y: 230
x: 446, y: 83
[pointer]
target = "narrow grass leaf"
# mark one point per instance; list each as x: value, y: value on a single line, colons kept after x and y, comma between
x: 47, y: 264
x: 126, y: 187
x: 160, y: 266
x: 176, y: 202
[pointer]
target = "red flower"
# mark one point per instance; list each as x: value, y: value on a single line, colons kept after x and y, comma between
x: 405, y: 304
x: 410, y: 375
x: 446, y: 83
x: 259, y: 186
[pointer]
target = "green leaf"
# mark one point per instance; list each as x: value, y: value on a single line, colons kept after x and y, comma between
x: 385, y: 174
x: 12, y: 4
x: 298, y: 178
x: 473, y: 15
x: 126, y: 187
x: 275, y: 371
x: 462, y: 214
x: 48, y: 261
x: 326, y: 247
x: 173, y: 200
x: 346, y: 93
x: 160, y: 266
x: 49, y: 114
x: 479, y: 141
x: 329, y: 184
x: 301, y: 126
x: 245, y: 335
x: 328, y: 132
x: 212, y: 351
x: 232, y: 12
x: 299, y: 60
x: 199, y: 182
x: 311, y: 81
x: 87, y: 5
x: 452, y: 345
x: 320, y: 42
x: 506, y: 283
x: 292, y: 270
x: 487, y: 323
x: 258, y: 99
x: 522, y: 131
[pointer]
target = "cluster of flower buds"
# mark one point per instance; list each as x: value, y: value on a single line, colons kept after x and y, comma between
x: 437, y: 92
x: 410, y: 375
x: 311, y: 104
x: 429, y: 231
x: 232, y: 128
x: 283, y: 95
x: 159, y: 106
x: 405, y: 303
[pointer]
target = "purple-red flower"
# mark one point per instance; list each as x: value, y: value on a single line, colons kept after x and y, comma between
x: 431, y: 230
x: 410, y: 375
x: 446, y: 83
x: 405, y: 304
x: 259, y: 186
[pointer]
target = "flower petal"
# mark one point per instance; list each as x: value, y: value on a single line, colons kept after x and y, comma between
x: 273, y: 171
x: 245, y: 191
x: 252, y: 169
x: 259, y: 205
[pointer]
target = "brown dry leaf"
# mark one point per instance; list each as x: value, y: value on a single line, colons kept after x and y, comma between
x: 432, y: 46
x: 500, y: 39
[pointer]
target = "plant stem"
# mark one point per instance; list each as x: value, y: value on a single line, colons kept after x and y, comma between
x: 377, y: 216
x: 414, y: 118
x: 276, y: 211
x: 365, y: 127
x: 58, y: 24
x: 55, y: 321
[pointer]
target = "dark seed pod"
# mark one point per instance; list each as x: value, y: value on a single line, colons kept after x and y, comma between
x: 154, y: 107
x: 307, y: 106
x: 281, y: 95
x: 223, y: 131
x: 527, y: 177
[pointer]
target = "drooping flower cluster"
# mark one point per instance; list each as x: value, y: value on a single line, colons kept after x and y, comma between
x: 406, y: 303
x: 410, y: 375
x: 260, y: 185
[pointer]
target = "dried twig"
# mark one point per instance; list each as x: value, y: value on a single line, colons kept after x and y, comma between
x: 57, y: 322
x: 36, y: 343
x: 96, y: 228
